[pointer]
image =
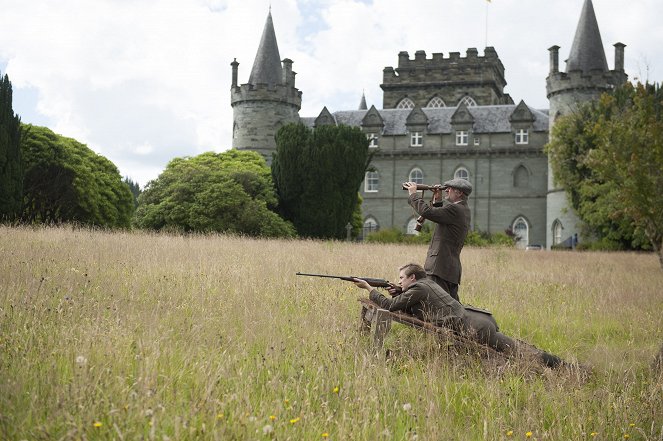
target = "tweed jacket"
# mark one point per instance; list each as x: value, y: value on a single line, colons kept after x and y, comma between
x: 425, y: 300
x: 452, y: 222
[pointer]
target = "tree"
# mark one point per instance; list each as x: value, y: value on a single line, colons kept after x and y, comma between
x: 317, y: 175
x: 65, y: 181
x: 609, y: 157
x: 230, y: 192
x: 11, y: 166
x: 135, y: 189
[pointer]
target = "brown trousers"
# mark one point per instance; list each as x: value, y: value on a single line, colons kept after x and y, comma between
x: 449, y: 287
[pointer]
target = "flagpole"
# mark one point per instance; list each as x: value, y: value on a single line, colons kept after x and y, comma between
x: 486, y: 30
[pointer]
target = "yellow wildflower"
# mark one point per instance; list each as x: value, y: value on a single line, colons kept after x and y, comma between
x: 593, y: 434
x: 509, y: 432
x: 294, y: 420
x: 219, y: 416
x: 98, y: 424
x: 325, y: 435
x: 335, y: 390
x: 272, y: 417
x: 528, y: 434
x: 632, y: 425
x: 627, y: 436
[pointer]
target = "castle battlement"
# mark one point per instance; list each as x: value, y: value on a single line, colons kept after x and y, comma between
x: 422, y: 67
x: 265, y: 92
x: 597, y: 79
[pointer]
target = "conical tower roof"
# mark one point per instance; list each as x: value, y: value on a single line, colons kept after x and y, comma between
x: 362, y: 103
x: 587, y: 49
x: 267, y: 65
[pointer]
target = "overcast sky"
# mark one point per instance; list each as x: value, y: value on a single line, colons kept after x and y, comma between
x: 144, y: 81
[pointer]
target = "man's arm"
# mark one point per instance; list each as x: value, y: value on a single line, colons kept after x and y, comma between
x: 442, y: 215
x: 411, y: 297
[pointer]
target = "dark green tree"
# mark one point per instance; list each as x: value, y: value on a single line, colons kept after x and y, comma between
x: 317, y: 175
x: 65, y: 181
x: 11, y: 165
x: 230, y: 192
x: 135, y: 189
x: 609, y: 157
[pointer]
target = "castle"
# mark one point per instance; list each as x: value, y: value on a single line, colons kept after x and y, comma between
x: 442, y: 118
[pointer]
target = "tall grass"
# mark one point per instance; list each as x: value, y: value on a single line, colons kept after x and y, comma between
x: 144, y: 336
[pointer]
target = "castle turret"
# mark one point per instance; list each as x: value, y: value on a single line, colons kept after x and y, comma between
x: 268, y: 101
x: 477, y: 80
x: 586, y: 78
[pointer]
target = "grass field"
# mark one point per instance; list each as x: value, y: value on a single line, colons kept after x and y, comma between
x: 125, y: 336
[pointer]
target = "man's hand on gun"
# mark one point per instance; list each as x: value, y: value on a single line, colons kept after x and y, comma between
x: 393, y: 289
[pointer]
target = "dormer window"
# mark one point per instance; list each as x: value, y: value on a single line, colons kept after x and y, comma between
x: 462, y: 137
x: 522, y: 136
x: 416, y: 139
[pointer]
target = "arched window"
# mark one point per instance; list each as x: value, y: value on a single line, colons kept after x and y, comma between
x: 416, y: 175
x: 521, y: 230
x: 411, y: 224
x: 370, y: 226
x: 557, y: 232
x: 468, y: 101
x: 371, y: 182
x: 405, y: 103
x: 462, y: 173
x: 520, y: 177
x: 436, y: 101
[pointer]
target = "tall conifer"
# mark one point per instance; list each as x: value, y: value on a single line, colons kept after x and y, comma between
x: 11, y: 167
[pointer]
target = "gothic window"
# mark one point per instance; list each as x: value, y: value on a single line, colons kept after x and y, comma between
x: 370, y: 226
x: 522, y: 136
x: 411, y: 227
x: 416, y: 139
x: 436, y: 101
x: 372, y: 140
x: 521, y: 230
x: 520, y: 177
x: 416, y: 175
x: 405, y: 103
x: 461, y: 137
x: 371, y: 182
x: 468, y: 101
x: 557, y: 232
x: 462, y: 173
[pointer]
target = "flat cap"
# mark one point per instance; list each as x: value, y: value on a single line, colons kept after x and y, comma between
x: 459, y: 184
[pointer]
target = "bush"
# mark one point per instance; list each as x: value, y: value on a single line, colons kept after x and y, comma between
x: 474, y: 238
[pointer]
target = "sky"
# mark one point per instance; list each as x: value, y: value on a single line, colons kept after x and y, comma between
x: 144, y: 81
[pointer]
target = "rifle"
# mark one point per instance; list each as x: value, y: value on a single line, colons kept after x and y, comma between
x: 378, y: 283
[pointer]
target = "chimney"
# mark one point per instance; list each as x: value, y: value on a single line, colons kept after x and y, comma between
x: 554, y: 59
x: 234, y: 64
x: 619, y: 56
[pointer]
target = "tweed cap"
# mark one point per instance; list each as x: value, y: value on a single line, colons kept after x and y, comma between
x: 459, y: 184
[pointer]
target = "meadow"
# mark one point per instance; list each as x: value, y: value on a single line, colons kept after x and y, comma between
x: 126, y: 335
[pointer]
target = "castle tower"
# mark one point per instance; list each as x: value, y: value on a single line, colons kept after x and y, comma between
x: 586, y: 78
x: 268, y: 101
x: 445, y: 82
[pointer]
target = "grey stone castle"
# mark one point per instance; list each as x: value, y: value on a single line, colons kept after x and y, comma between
x: 442, y: 118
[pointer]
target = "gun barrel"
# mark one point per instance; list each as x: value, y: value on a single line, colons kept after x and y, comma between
x: 378, y: 283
